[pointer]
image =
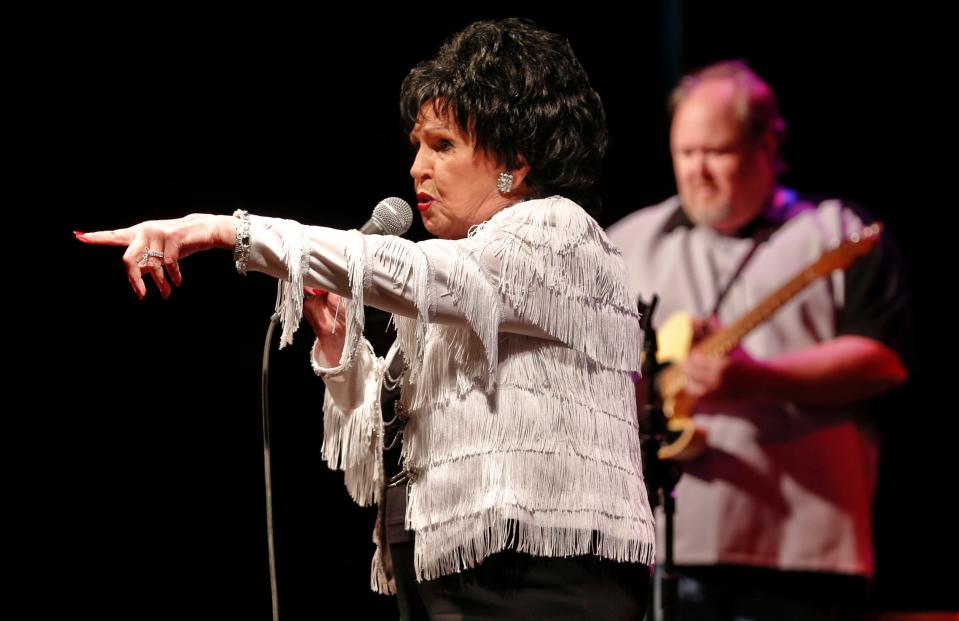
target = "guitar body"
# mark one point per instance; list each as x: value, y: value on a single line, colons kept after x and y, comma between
x: 684, y: 440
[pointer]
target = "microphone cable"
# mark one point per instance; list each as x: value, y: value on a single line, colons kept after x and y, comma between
x: 267, y: 475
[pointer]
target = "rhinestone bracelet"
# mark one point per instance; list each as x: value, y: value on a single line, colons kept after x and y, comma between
x: 241, y: 248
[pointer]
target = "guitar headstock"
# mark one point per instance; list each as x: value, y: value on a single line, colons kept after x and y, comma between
x: 855, y: 246
x: 874, y: 230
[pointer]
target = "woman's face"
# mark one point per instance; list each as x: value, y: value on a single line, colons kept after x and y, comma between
x: 455, y: 183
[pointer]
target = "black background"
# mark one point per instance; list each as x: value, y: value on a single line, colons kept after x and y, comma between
x: 143, y: 436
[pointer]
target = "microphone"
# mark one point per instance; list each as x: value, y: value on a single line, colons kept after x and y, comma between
x: 391, y: 216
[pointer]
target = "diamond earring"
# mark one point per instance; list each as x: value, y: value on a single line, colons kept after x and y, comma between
x: 504, y: 183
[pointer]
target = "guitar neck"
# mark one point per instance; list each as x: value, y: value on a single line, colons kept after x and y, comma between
x: 722, y: 342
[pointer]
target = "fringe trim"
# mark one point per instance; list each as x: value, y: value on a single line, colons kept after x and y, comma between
x: 592, y: 496
x: 289, y: 298
x: 454, y: 367
x: 555, y: 448
x: 352, y: 442
x: 353, y: 439
x: 557, y: 271
x: 479, y: 301
x: 409, y: 266
x: 381, y: 569
x: 525, y: 421
x: 359, y: 274
x: 441, y: 550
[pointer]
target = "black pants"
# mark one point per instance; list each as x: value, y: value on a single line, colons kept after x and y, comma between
x: 512, y: 585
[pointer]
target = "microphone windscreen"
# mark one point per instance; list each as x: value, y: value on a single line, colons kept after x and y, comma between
x: 392, y: 216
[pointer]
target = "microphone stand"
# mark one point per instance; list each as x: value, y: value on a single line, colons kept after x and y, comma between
x: 661, y: 475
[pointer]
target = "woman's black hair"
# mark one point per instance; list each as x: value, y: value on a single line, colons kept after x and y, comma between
x: 522, y: 95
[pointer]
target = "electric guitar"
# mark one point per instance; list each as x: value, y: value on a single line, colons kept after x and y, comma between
x: 684, y: 440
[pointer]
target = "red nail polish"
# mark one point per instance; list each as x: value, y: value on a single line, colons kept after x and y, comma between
x: 81, y: 237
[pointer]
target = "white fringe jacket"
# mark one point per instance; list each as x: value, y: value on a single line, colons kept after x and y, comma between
x: 520, y: 341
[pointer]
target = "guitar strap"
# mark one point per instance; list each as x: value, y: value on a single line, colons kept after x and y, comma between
x: 763, y: 231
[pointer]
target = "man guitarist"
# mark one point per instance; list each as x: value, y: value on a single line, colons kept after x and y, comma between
x: 774, y: 517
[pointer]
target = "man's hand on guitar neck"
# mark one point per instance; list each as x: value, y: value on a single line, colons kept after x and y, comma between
x: 704, y: 327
